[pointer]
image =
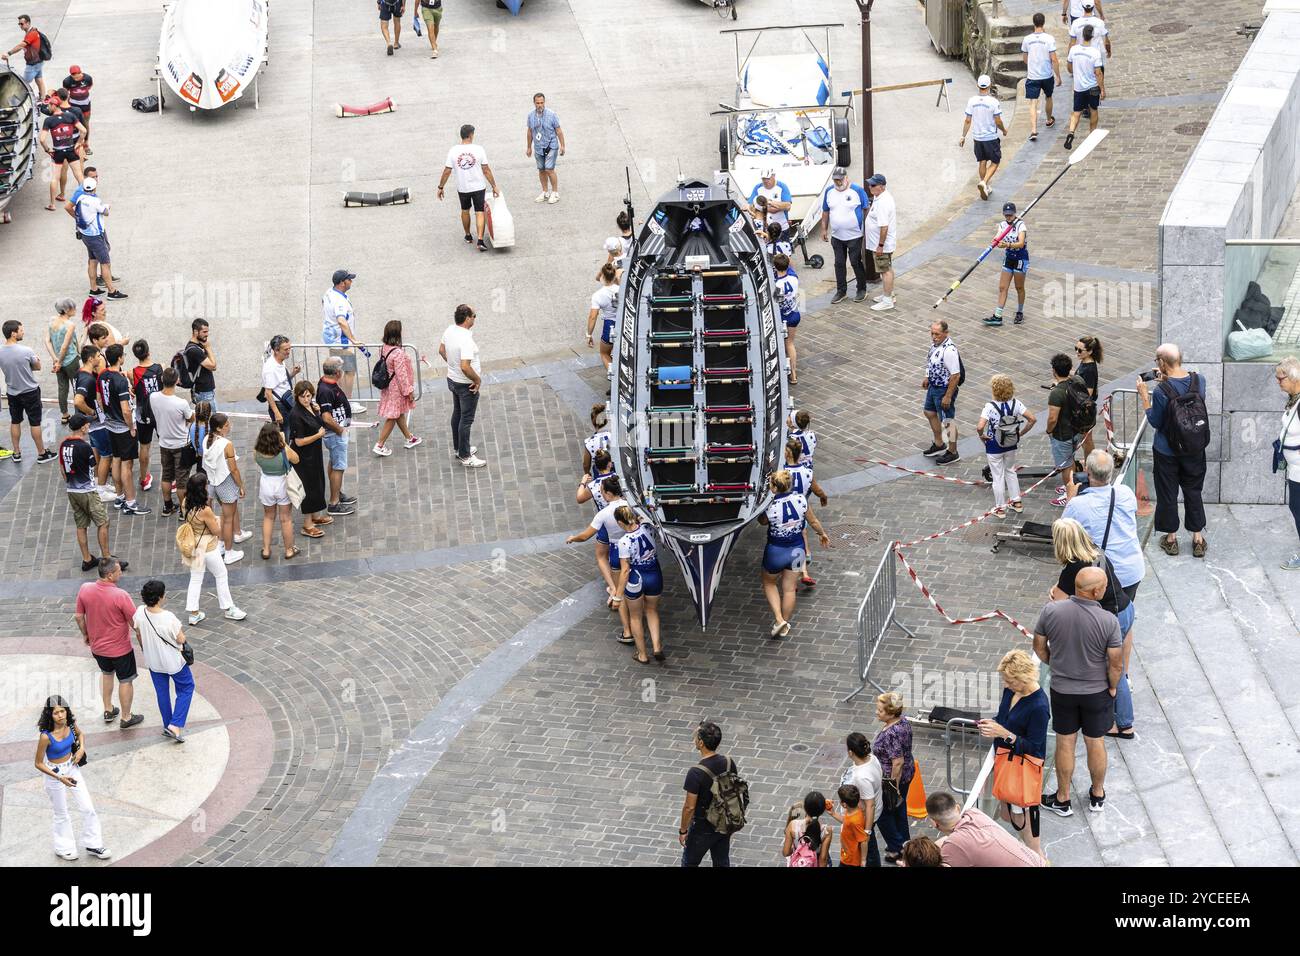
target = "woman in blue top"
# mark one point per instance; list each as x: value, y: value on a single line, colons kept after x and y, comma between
x: 640, y: 581
x: 58, y: 749
x: 784, y: 557
x: 1021, y: 727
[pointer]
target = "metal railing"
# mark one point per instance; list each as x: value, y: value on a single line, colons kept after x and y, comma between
x: 1136, y: 470
x: 876, y: 613
x: 312, y: 355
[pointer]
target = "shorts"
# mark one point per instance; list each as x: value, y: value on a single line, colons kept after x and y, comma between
x: 884, y: 261
x: 85, y: 115
x: 125, y: 446
x: 274, y: 490
x: 61, y: 156
x: 348, y: 357
x: 431, y: 15
x: 1017, y: 267
x: 97, y: 249
x: 122, y: 667
x: 778, y: 557
x: 475, y: 198
x: 1091, y: 713
x: 144, y: 432
x: 615, y: 562
x: 388, y: 9
x: 87, y: 509
x: 934, y: 401
x: 26, y: 403
x: 792, y: 321
x: 607, y: 331
x: 227, y: 492
x: 644, y: 582
x: 1046, y: 87
x: 172, y: 470
x: 1087, y: 99
x: 545, y: 156
x: 101, y: 442
x: 1063, y: 451
x: 32, y: 70
x: 988, y: 150
x: 338, y: 449
x: 1126, y: 618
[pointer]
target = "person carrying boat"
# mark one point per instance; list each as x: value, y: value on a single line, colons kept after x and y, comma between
x: 640, y: 581
x: 599, y: 439
x: 784, y: 557
x: 802, y: 481
x: 604, y: 308
x: 786, y: 288
x: 605, y: 529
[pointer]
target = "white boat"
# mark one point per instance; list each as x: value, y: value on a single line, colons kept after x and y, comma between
x: 210, y: 51
x: 19, y: 128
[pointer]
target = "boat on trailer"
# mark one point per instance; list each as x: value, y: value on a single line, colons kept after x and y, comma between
x: 210, y: 51
x: 699, y: 379
x: 19, y: 129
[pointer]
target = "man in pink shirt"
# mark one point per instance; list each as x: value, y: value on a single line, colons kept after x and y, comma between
x: 973, y: 838
x: 104, y: 613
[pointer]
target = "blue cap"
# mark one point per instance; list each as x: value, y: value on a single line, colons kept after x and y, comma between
x: 876, y: 180
x: 1008, y: 207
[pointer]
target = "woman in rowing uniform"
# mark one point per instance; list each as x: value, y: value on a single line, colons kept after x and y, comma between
x: 605, y: 529
x: 618, y: 247
x: 604, y: 309
x: 800, y: 422
x: 597, y: 440
x: 784, y: 557
x: 803, y: 482
x: 592, y: 488
x: 640, y: 580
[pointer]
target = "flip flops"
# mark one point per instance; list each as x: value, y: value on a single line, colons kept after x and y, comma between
x: 313, y: 532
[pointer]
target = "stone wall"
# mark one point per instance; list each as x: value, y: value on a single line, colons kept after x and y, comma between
x: 1237, y: 185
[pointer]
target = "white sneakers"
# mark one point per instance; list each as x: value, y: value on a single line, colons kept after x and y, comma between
x: 381, y: 451
x: 883, y: 304
x: 235, y: 614
x: 198, y: 617
x: 555, y: 197
x: 358, y: 407
x: 413, y: 441
x: 542, y: 197
x: 242, y: 536
x: 69, y: 856
x: 232, y: 556
x: 473, y: 461
x: 472, y: 450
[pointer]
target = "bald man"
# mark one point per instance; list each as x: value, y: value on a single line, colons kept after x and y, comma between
x: 1179, y: 462
x: 1083, y: 644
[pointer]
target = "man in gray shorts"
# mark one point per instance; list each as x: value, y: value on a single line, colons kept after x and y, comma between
x: 337, y: 323
x: 545, y: 143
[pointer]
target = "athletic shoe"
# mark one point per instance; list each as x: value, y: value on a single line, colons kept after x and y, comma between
x: 339, y: 509
x: 118, y: 294
x: 555, y: 197
x: 469, y: 238
x: 1019, y: 319
x: 1061, y: 808
x: 358, y: 407
x: 90, y: 565
x: 1033, y: 137
x: 1069, y: 140
x: 198, y: 617
x: 877, y: 298
x: 168, y: 508
x: 146, y: 482
x: 473, y: 461
x: 776, y: 629
x: 232, y: 556
x: 993, y: 320
x: 135, y: 509
x: 122, y: 564
x: 390, y: 49
x: 5, y: 453
x: 1060, y: 501
x: 134, y: 720
x: 45, y: 456
x: 808, y: 582
x: 413, y: 441
x: 482, y: 246
x: 119, y: 502
x: 99, y: 852
x: 1096, y: 804
x: 884, y: 305
x: 472, y: 450
x: 235, y: 614
x: 983, y: 188
x: 111, y: 715
x: 69, y: 856
x: 1292, y: 564
x: 381, y: 451
x: 16, y: 458
x: 1060, y: 489
x: 947, y: 459
x: 347, y: 499
x: 542, y: 197
x: 839, y: 297
x: 934, y: 450
x: 241, y: 536
x: 106, y: 495
x: 860, y: 295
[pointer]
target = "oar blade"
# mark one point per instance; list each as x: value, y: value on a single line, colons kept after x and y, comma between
x: 1087, y: 146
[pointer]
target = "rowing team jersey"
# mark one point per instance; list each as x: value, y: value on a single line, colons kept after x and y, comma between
x: 597, y: 442
x: 79, y: 90
x: 801, y: 478
x: 808, y: 439
x: 605, y: 520
x: 786, y: 517
x: 605, y: 302
x: 638, y: 548
x: 1018, y: 231
x: 597, y: 492
x: 787, y: 297
x: 114, y: 389
x: 88, y: 388
x: 63, y: 129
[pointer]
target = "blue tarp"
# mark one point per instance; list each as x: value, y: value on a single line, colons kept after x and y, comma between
x: 514, y: 5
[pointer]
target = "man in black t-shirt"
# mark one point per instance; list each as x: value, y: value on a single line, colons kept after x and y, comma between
x: 78, y: 463
x: 696, y: 834
x: 336, y: 413
x: 146, y: 378
x: 85, y: 398
x: 201, y: 363
x: 61, y: 137
x: 78, y: 85
x: 116, y: 402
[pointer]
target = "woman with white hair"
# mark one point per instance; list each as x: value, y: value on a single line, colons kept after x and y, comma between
x: 64, y: 348
x: 1286, y: 449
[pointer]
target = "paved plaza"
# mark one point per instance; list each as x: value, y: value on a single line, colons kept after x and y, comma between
x: 434, y: 682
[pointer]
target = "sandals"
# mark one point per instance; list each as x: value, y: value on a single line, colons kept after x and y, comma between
x: 50, y: 208
x: 324, y: 521
x: 1051, y: 121
x: 266, y: 555
x: 292, y: 553
x: 660, y: 656
x: 313, y: 533
x: 1124, y: 733
x: 637, y: 657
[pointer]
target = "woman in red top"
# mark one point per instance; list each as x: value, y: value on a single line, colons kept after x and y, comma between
x: 397, y: 400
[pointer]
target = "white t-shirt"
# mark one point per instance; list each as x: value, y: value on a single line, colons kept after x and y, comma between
x: 883, y: 212
x: 466, y: 161
x: 1040, y: 47
x: 781, y: 193
x: 869, y: 780
x: 92, y: 211
x: 275, y: 376
x: 1084, y: 61
x: 982, y: 109
x: 605, y: 519
x: 170, y: 413
x: 215, y: 462
x: 155, y: 630
x: 1099, y: 33
x: 846, y: 209
x: 459, y: 344
x: 1076, y: 8
x: 335, y: 306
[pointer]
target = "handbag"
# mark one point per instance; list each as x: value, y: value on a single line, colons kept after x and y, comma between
x: 293, y: 485
x: 187, y: 652
x: 78, y: 743
x: 892, y: 795
x: 1017, y: 778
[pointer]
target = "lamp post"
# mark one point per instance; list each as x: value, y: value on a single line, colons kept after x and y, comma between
x: 868, y: 138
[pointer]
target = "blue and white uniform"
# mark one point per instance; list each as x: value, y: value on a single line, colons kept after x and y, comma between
x: 638, y: 549
x: 605, y: 301
x: 786, y: 517
x: 801, y: 478
x: 808, y: 439
x: 787, y: 298
x: 1017, y: 260
x: 608, y: 530
x: 597, y: 492
x: 597, y: 442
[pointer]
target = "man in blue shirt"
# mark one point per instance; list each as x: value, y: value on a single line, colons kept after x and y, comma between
x: 1092, y: 508
x: 1175, y: 472
x: 545, y: 142
x: 844, y: 211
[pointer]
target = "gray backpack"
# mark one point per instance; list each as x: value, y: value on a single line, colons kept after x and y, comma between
x: 1006, y: 428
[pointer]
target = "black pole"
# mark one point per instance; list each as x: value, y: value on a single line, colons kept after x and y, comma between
x: 868, y: 131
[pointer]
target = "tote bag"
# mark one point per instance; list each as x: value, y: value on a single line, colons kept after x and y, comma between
x: 293, y: 485
x: 1017, y: 778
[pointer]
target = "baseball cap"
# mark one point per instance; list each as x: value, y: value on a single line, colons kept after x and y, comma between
x: 769, y: 173
x: 78, y: 421
x: 89, y: 184
x: 613, y: 244
x: 74, y: 69
x: 876, y: 180
x: 984, y: 81
x: 839, y: 172
x: 341, y: 274
x: 1008, y: 207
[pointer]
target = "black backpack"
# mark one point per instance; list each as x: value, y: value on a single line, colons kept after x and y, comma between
x: 381, y: 375
x: 150, y: 382
x: 46, y: 51
x: 1187, y: 423
x: 1080, y: 408
x: 184, y: 377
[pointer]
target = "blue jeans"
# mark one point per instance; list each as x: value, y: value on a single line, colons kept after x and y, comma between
x: 1123, y: 692
x: 174, y: 715
x: 705, y: 839
x: 893, y: 823
x: 209, y: 397
x: 464, y: 404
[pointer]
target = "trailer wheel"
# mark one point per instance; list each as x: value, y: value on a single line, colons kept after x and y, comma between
x: 816, y: 262
x: 724, y: 149
x: 843, y: 149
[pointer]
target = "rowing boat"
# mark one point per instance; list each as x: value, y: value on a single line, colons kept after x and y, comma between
x: 19, y: 129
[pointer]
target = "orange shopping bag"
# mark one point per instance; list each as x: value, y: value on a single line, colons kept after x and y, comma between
x: 1017, y: 778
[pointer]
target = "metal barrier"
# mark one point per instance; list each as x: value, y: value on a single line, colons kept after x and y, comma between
x: 876, y: 613
x: 312, y: 355
x: 1127, y: 417
x: 955, y: 734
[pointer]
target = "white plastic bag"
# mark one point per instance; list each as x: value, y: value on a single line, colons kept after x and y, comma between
x: 1250, y: 344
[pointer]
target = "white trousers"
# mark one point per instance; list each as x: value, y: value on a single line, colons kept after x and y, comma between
x: 1006, y: 484
x: 64, y: 840
x: 216, y: 566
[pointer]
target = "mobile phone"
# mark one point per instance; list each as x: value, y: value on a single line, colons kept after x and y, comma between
x: 1150, y: 376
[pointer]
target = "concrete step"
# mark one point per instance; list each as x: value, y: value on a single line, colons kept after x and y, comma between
x: 1005, y: 46
x: 1005, y: 27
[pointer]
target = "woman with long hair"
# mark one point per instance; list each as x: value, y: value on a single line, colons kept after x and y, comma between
x: 226, y: 483
x: 64, y: 347
x: 307, y: 429
x: 398, y: 399
x: 1088, y: 350
x: 784, y: 557
x: 95, y: 311
x: 604, y: 309
x: 606, y: 530
x: 197, y: 512
x: 58, y: 749
x: 274, y: 458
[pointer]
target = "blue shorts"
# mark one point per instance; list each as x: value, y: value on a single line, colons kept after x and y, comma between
x: 32, y: 70
x: 1018, y: 267
x: 934, y: 402
x: 1032, y: 88
x: 1126, y: 618
x: 615, y: 564
x: 545, y: 155
x: 1087, y: 99
x: 780, y: 556
x: 607, y: 331
x: 792, y: 320
x: 644, y: 582
x: 102, y: 442
x: 338, y: 449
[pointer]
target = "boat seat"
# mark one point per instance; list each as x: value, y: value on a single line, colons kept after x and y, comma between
x: 722, y: 449
x: 670, y: 455
x: 729, y: 486
x: 674, y: 377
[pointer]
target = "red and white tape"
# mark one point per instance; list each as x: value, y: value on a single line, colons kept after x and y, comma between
x: 923, y: 474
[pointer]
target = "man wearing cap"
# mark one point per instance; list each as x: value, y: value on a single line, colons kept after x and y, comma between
x: 1071, y: 10
x: 336, y: 329
x: 882, y: 238
x: 984, y: 122
x: 62, y: 134
x: 1042, y: 72
x: 777, y: 195
x: 844, y: 211
x: 78, y: 85
x: 1015, y: 265
x: 1100, y: 33
x: 1084, y: 61
x: 89, y: 212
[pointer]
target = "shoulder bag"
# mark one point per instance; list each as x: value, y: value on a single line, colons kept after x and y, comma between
x: 293, y: 485
x: 187, y: 652
x: 1279, y: 449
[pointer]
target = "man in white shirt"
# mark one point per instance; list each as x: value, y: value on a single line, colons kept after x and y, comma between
x: 1100, y: 33
x: 459, y: 350
x: 882, y: 238
x: 777, y: 195
x: 89, y: 212
x: 1071, y: 10
x: 1084, y: 62
x: 337, y: 320
x: 984, y: 122
x: 1043, y: 72
x: 844, y: 210
x: 473, y: 176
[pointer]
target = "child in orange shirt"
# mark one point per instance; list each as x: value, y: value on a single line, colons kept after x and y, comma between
x: 853, y: 826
